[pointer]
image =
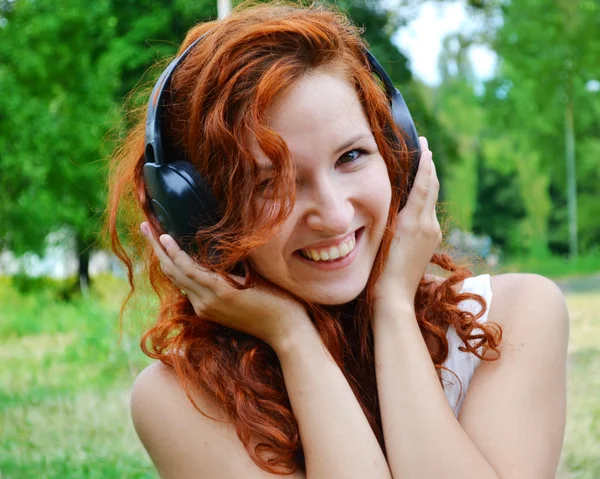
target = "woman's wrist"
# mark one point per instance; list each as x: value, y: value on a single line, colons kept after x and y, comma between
x: 300, y: 336
x: 396, y: 291
x: 393, y: 308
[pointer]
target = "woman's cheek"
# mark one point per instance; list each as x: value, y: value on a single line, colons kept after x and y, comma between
x: 377, y: 188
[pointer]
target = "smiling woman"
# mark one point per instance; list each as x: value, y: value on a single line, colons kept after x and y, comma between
x: 313, y: 273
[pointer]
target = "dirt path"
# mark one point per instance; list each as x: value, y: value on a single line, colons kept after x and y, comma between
x: 581, y: 284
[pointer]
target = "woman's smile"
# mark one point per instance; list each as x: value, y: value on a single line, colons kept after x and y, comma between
x: 331, y: 262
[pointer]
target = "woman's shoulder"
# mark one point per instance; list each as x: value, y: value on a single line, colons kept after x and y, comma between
x: 528, y: 380
x: 162, y: 413
x: 533, y: 315
x: 531, y: 300
x: 515, y: 295
x: 157, y: 386
x: 181, y: 441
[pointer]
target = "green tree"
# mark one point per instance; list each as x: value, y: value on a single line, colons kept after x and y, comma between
x: 65, y: 69
x: 548, y: 54
x: 57, y: 104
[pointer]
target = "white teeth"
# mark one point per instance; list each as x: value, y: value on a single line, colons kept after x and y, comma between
x: 331, y: 253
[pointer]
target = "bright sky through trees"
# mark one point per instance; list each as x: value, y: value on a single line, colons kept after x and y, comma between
x: 421, y: 40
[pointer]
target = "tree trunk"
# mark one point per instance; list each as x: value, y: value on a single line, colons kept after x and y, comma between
x: 571, y: 177
x: 83, y: 253
x: 223, y: 8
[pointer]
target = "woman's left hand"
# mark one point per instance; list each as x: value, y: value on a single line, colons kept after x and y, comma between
x: 417, y: 236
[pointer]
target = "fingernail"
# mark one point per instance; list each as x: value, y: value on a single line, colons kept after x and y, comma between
x: 164, y: 240
x: 144, y: 229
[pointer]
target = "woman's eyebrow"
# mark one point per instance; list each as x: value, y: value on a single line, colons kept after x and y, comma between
x: 265, y: 168
x: 352, y: 140
x: 269, y: 167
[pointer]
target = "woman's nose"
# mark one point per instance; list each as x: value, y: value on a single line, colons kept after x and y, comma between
x: 329, y: 209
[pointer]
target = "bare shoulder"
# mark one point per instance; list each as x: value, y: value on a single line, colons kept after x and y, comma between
x: 525, y: 302
x: 181, y: 441
x: 157, y: 388
x: 526, y: 306
x: 515, y: 408
x: 528, y: 302
x: 533, y: 315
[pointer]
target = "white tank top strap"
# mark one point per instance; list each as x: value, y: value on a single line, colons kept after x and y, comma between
x: 463, y: 364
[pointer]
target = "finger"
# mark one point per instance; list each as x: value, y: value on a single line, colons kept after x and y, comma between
x: 161, y: 255
x: 420, y: 190
x: 432, y: 194
x: 188, y: 267
x: 167, y: 266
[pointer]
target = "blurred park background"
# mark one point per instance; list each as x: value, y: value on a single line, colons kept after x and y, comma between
x: 510, y: 104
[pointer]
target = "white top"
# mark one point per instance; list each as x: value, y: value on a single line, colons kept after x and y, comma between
x: 463, y: 364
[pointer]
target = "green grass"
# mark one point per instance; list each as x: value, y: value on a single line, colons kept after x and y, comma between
x: 554, y: 266
x: 65, y: 380
x: 581, y: 451
x: 64, y: 387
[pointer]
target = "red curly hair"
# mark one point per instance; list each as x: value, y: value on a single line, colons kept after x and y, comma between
x: 221, y: 94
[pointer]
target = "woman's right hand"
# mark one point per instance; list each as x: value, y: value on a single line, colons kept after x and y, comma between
x: 267, y: 315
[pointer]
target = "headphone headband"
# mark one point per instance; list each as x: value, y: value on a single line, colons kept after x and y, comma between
x: 157, y: 107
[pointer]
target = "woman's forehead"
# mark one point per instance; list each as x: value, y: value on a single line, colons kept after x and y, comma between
x: 321, y: 116
x: 317, y: 101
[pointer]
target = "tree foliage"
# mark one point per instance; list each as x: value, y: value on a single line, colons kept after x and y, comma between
x: 548, y: 53
x: 56, y: 105
x: 511, y: 130
x: 66, y: 70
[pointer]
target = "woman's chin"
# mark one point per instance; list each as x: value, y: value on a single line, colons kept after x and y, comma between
x: 333, y: 297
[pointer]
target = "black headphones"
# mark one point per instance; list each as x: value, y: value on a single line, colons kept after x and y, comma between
x: 180, y: 197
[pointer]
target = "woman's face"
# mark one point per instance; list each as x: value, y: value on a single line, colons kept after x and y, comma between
x: 325, y: 250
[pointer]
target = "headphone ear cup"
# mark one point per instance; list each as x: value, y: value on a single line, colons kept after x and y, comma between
x: 180, y: 198
x: 209, y: 209
x: 401, y: 116
x: 196, y: 207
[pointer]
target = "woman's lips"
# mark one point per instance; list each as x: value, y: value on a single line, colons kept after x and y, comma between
x: 335, y: 264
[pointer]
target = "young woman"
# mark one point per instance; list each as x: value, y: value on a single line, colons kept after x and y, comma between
x: 336, y: 356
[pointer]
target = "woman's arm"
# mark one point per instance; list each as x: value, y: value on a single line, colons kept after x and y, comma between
x: 512, y: 421
x: 337, y: 439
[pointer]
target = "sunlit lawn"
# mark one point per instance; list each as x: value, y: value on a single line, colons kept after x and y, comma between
x: 64, y: 384
x: 65, y: 377
x: 581, y: 452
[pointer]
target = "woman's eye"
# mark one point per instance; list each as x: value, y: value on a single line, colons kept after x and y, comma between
x: 352, y: 155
